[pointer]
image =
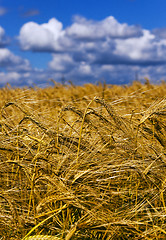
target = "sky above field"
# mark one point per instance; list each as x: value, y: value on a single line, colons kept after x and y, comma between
x: 82, y: 41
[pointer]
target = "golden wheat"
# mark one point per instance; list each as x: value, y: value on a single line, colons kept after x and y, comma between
x: 83, y: 162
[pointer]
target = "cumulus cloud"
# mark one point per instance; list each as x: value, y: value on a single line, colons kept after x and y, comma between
x: 10, y: 61
x: 109, y: 27
x: 10, y: 77
x: 61, y: 63
x: 52, y: 37
x: 100, y: 42
x: 145, y: 50
x: 42, y: 37
x: 29, y: 77
x: 88, y: 50
x: 142, y: 48
x: 160, y: 33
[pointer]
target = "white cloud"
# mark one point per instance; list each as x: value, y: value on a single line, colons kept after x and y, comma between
x: 160, y: 33
x: 109, y: 27
x: 61, y: 62
x: 10, y: 77
x: 96, y: 42
x: 7, y: 57
x: 42, y: 37
x: 85, y: 69
x: 52, y: 37
x: 87, y: 50
x: 145, y: 49
x: 136, y: 48
x: 10, y: 61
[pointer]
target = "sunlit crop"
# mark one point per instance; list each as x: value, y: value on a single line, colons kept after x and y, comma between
x: 83, y: 162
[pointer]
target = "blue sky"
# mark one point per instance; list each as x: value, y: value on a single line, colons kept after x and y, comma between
x: 84, y: 41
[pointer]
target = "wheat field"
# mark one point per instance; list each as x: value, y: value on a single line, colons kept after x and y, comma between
x: 83, y: 162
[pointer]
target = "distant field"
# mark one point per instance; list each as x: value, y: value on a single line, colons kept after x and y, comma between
x: 83, y: 162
